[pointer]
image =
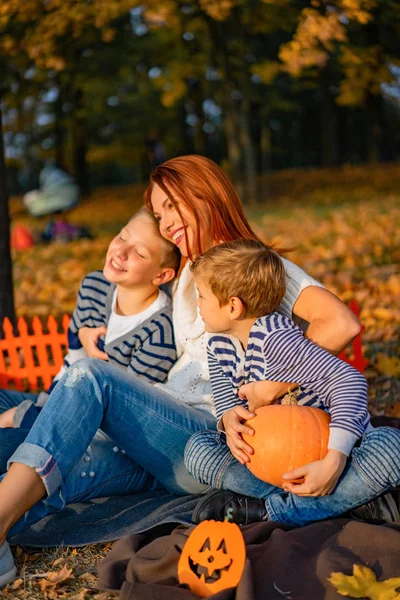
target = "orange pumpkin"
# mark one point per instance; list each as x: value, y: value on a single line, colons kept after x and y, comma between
x: 212, y: 558
x: 286, y: 437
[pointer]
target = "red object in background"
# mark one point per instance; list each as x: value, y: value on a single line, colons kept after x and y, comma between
x: 21, y: 238
x: 357, y: 359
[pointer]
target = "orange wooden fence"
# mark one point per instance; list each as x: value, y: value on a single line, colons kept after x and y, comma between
x: 29, y: 361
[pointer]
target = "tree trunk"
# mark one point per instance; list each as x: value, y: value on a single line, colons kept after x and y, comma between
x: 328, y: 123
x: 79, y: 149
x: 6, y: 283
x: 374, y: 128
x: 248, y: 153
x: 266, y: 146
x: 233, y: 147
x: 240, y: 145
x: 59, y: 129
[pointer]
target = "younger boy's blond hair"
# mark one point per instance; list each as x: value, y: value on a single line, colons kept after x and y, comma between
x: 245, y: 269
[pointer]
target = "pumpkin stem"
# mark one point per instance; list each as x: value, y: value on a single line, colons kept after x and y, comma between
x: 228, y: 515
x: 291, y: 396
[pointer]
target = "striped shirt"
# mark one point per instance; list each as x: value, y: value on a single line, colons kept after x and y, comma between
x: 147, y: 351
x: 278, y: 351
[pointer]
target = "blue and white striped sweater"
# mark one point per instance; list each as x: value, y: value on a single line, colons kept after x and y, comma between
x: 148, y: 351
x: 278, y: 351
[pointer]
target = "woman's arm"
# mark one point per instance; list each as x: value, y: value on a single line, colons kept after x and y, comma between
x: 332, y: 325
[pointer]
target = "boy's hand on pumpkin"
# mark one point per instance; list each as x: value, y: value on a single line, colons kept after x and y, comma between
x: 234, y: 427
x: 318, y: 478
x: 262, y: 393
x: 89, y: 338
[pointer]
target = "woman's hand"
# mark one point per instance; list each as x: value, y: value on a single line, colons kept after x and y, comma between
x: 263, y: 393
x: 234, y: 427
x: 89, y: 338
x: 318, y: 478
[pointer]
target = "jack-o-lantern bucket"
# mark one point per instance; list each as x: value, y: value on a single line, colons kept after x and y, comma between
x: 213, y: 558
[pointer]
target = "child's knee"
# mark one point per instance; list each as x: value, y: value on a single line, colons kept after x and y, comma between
x: 385, y: 440
x: 378, y: 456
x: 203, y: 455
x: 198, y: 449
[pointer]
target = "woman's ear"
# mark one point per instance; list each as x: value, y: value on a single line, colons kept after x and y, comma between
x: 237, y: 308
x: 164, y: 276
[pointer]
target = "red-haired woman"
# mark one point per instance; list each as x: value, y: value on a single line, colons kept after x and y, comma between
x: 197, y: 207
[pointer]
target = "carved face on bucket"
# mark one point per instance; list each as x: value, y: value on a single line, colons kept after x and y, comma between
x: 210, y: 563
x: 213, y: 558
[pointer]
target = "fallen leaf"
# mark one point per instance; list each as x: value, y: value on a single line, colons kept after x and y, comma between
x: 388, y: 365
x: 57, y: 577
x: 16, y: 584
x: 363, y: 584
x: 81, y: 595
x: 54, y: 578
x: 88, y: 577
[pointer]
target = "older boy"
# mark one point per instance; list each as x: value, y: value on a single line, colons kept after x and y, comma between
x: 123, y: 312
x: 241, y: 285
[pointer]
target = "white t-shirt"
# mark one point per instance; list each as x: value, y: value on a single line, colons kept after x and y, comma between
x: 188, y: 380
x: 119, y: 325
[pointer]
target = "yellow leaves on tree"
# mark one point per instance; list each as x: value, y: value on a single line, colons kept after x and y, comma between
x: 313, y: 41
x: 267, y: 70
x: 317, y: 34
x: 364, y: 72
x: 45, y: 23
x: 159, y: 14
x: 363, y: 584
x: 173, y: 82
x: 358, y: 10
x: 219, y: 10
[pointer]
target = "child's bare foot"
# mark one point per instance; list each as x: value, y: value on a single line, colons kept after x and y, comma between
x: 6, y: 418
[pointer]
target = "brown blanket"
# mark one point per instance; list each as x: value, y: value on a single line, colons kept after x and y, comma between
x: 282, y: 562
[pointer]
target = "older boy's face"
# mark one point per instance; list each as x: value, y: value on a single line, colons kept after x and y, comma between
x: 134, y: 256
x: 215, y: 317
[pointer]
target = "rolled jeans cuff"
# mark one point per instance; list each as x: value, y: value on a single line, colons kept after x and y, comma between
x: 44, y: 464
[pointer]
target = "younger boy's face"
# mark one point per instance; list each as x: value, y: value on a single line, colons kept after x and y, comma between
x: 215, y: 317
x: 134, y: 256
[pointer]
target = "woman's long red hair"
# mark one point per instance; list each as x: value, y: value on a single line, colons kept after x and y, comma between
x: 208, y: 194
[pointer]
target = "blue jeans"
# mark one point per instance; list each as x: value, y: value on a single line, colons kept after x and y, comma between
x: 148, y: 429
x: 11, y: 438
x: 372, y: 469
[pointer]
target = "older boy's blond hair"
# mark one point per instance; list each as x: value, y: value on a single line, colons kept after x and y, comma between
x: 171, y: 254
x: 246, y: 269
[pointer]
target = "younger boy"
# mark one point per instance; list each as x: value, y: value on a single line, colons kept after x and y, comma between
x: 241, y: 285
x: 126, y: 311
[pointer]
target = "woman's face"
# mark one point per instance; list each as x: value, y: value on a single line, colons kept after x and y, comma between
x: 172, y: 226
